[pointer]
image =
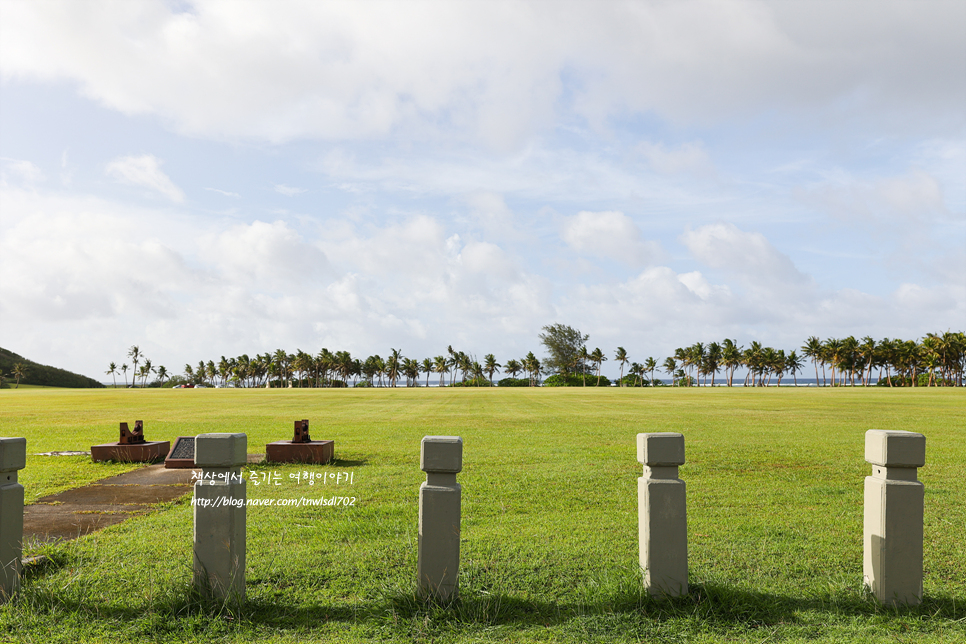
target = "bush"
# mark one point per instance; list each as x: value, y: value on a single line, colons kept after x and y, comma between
x: 514, y: 382
x: 558, y: 380
x: 473, y: 382
x: 633, y: 381
x: 362, y: 383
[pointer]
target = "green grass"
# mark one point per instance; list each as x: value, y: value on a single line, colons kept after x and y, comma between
x: 549, y: 528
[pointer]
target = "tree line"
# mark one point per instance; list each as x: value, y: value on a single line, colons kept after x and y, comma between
x: 936, y: 360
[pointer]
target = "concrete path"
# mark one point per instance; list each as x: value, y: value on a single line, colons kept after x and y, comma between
x: 75, y: 513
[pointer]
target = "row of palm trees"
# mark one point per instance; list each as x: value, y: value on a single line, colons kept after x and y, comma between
x: 941, y: 356
x: 938, y: 359
x: 847, y: 361
x: 143, y: 372
x: 335, y: 369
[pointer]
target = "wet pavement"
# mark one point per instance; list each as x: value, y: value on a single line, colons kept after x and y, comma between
x: 75, y: 513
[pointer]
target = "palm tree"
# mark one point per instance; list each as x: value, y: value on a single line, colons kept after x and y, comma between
x: 124, y: 369
x: 112, y: 371
x: 670, y: 368
x: 427, y: 368
x: 580, y: 364
x: 636, y: 369
x: 162, y: 374
x: 19, y: 371
x: 343, y: 366
x: 393, y: 366
x: 867, y: 351
x: 441, y: 366
x: 135, y: 354
x: 794, y: 364
x: 754, y: 360
x: 512, y: 368
x: 650, y: 365
x: 813, y: 349
x: 834, y: 351
x: 712, y: 361
x: 598, y: 358
x: 147, y: 372
x: 731, y: 356
x: 490, y: 365
x: 621, y: 357
x: 532, y: 364
x: 411, y: 369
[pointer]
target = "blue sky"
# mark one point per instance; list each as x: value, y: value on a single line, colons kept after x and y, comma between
x: 216, y: 178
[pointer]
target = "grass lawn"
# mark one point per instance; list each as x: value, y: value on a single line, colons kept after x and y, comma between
x: 549, y: 527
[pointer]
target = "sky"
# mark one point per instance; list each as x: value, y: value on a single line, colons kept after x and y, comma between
x: 212, y: 178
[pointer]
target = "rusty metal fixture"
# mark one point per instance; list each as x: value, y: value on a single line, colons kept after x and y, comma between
x: 129, y: 437
x: 301, y: 432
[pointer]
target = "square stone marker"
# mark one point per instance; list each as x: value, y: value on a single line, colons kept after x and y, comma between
x: 182, y: 455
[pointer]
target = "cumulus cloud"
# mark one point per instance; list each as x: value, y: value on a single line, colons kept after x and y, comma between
x: 263, y: 253
x: 608, y: 235
x: 144, y: 171
x: 344, y: 70
x: 749, y: 255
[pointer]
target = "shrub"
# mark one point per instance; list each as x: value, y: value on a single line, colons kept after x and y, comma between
x: 473, y: 382
x: 558, y: 380
x: 514, y: 382
x: 634, y: 381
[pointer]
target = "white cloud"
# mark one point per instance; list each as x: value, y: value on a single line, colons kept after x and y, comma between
x: 288, y: 191
x: 144, y: 171
x: 608, y: 235
x: 915, y: 196
x: 224, y: 192
x: 688, y: 157
x: 749, y: 255
x: 19, y: 172
x: 343, y: 70
x: 260, y: 253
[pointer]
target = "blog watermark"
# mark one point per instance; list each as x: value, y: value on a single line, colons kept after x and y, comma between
x: 229, y: 502
x: 275, y: 478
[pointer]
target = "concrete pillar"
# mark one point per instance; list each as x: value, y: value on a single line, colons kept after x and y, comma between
x: 13, y: 457
x: 662, y: 514
x: 219, y: 530
x: 892, y: 557
x: 441, y: 457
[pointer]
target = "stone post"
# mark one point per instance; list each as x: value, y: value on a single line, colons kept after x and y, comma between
x: 662, y: 514
x: 13, y: 457
x: 892, y: 557
x: 441, y: 457
x: 219, y: 526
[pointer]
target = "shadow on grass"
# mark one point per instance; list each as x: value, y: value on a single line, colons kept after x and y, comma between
x: 620, y: 600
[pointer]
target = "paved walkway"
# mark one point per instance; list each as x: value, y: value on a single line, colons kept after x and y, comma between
x: 75, y: 513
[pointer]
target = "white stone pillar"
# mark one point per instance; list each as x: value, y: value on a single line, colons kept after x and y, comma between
x: 892, y: 558
x: 441, y: 457
x: 662, y: 514
x: 219, y: 525
x: 13, y: 457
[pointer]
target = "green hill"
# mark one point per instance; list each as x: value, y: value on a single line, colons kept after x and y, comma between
x: 39, y: 374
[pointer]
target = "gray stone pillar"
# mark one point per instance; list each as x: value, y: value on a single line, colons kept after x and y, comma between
x: 892, y: 558
x: 441, y: 457
x: 219, y: 530
x: 13, y: 457
x: 662, y: 514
